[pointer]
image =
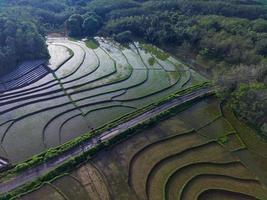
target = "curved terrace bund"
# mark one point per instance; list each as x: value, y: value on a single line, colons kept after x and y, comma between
x: 88, y: 87
x: 178, y: 158
x: 82, y: 89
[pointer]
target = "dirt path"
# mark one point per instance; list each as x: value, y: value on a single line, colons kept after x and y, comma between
x: 33, y: 173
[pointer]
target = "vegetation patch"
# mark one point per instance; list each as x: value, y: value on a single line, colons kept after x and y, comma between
x: 92, y: 43
x: 151, y: 61
x: 155, y: 51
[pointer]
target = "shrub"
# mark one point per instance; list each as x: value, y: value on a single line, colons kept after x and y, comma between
x: 151, y: 61
x: 21, y: 167
x: 223, y: 140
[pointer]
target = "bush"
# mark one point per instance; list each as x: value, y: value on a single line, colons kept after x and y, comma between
x: 151, y: 61
x: 21, y: 167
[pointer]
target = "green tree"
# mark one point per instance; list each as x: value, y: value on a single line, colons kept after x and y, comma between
x: 248, y: 101
x: 74, y: 25
x: 90, y: 26
x: 19, y: 41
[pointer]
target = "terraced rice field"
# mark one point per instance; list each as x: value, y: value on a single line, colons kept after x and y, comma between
x: 25, y: 74
x: 183, y: 157
x: 81, y: 88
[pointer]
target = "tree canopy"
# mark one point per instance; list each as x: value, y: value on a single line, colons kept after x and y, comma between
x: 19, y: 40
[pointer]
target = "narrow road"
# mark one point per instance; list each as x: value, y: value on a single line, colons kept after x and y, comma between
x: 40, y: 170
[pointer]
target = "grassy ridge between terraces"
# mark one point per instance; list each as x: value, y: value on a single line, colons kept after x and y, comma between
x: 76, y: 161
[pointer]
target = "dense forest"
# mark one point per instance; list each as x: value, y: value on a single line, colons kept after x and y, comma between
x: 226, y: 37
